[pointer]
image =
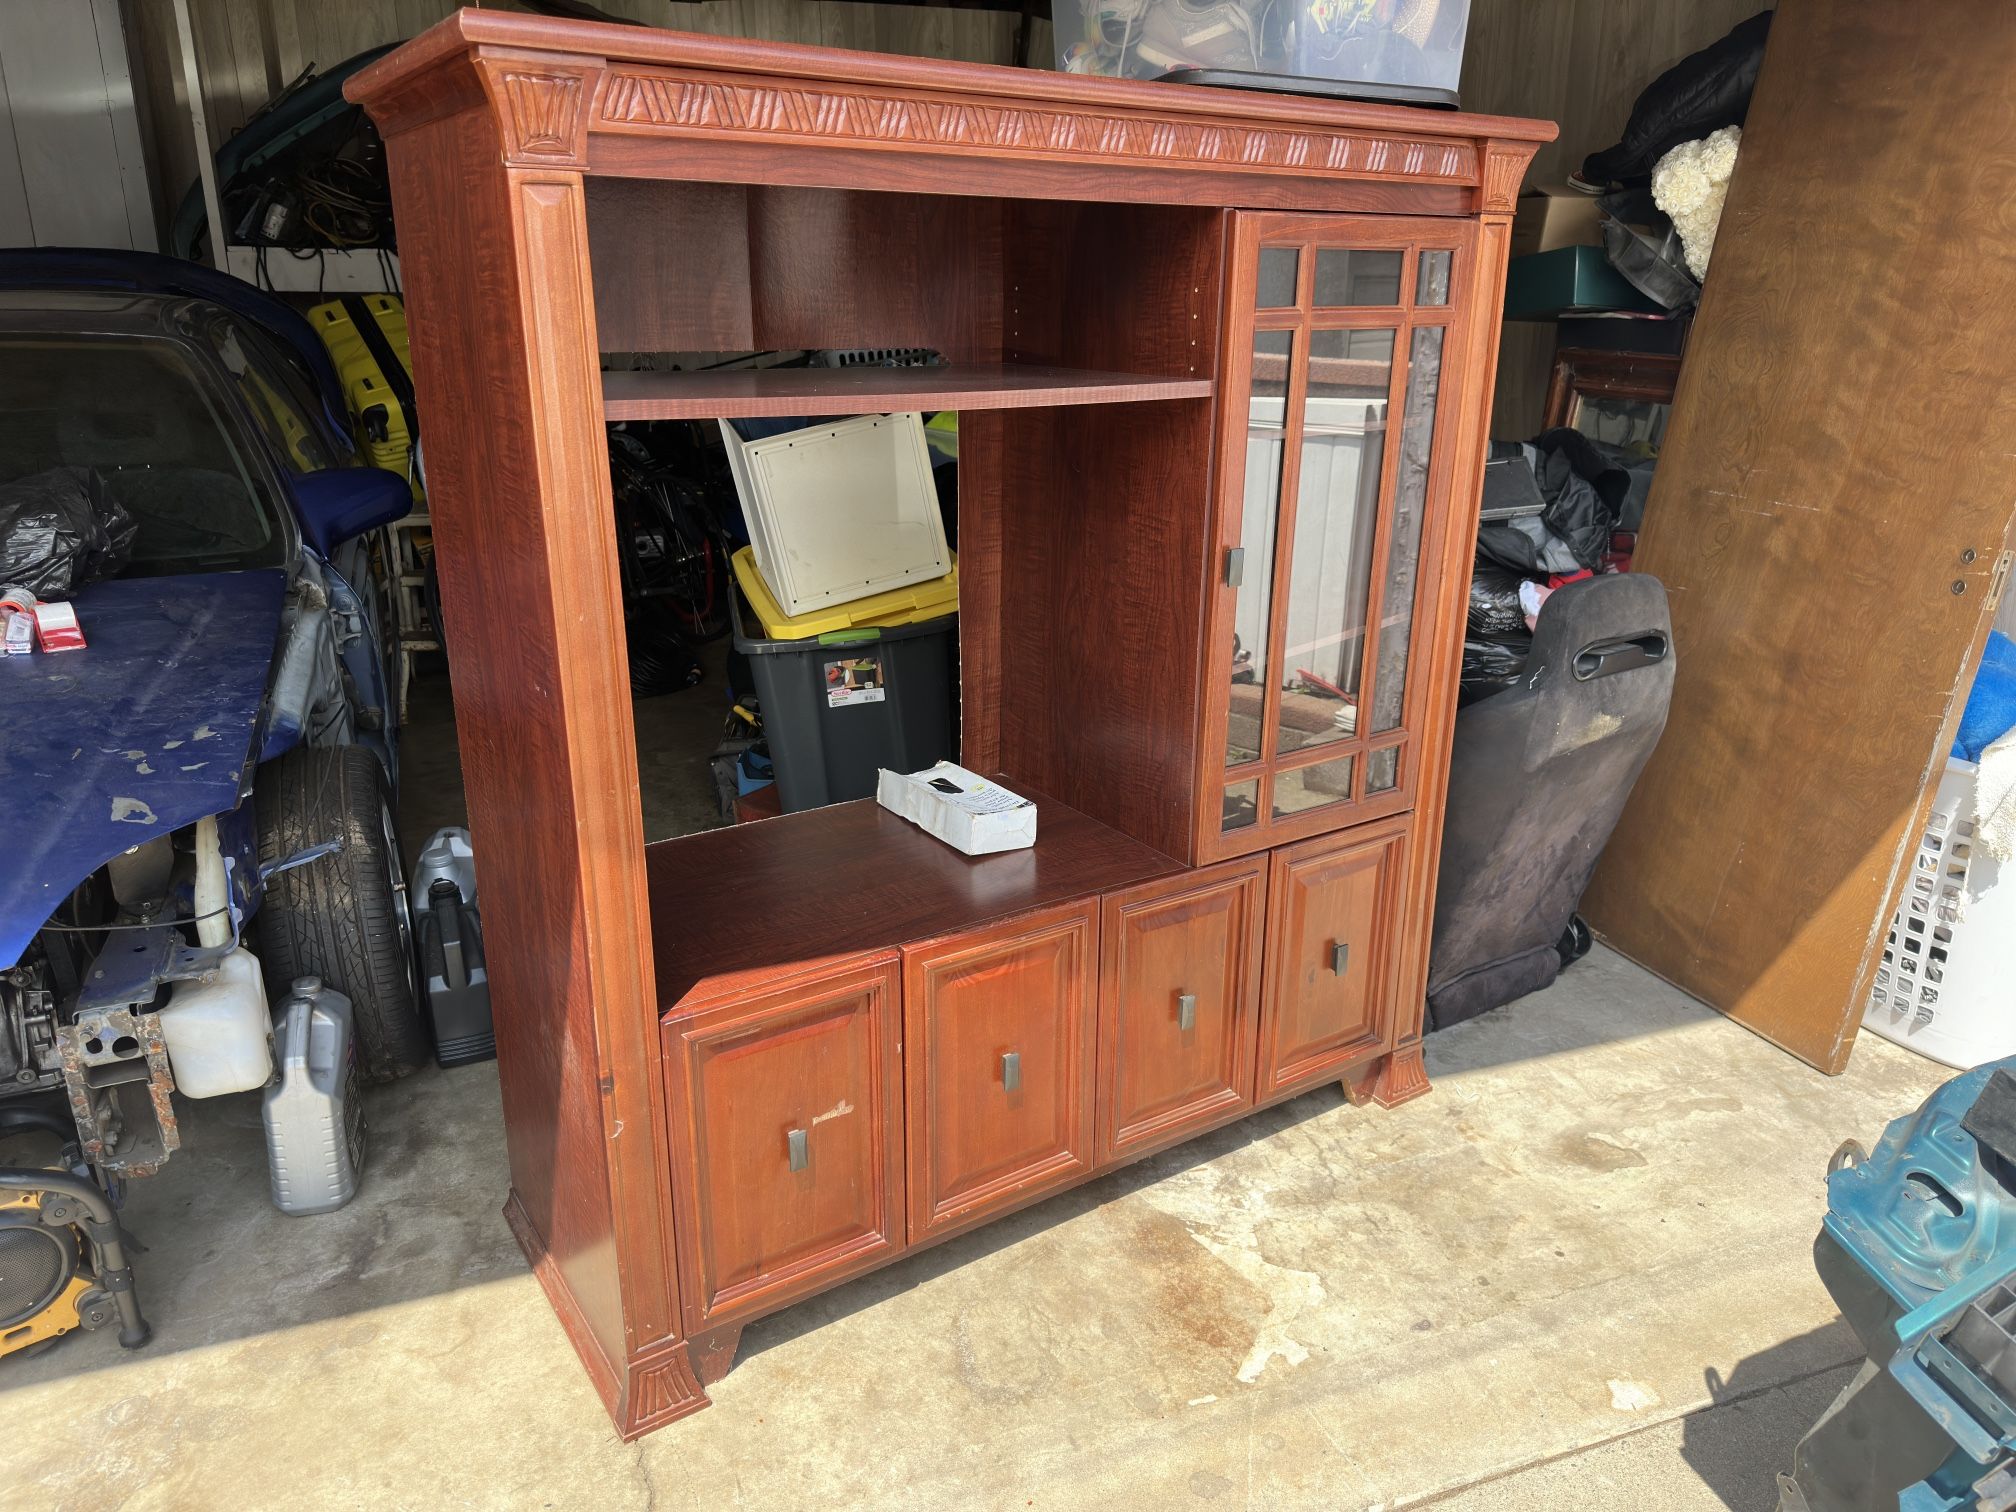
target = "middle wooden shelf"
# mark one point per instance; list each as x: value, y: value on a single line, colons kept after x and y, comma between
x: 854, y: 877
x: 733, y: 393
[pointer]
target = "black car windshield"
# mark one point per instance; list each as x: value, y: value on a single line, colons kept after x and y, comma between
x: 137, y: 411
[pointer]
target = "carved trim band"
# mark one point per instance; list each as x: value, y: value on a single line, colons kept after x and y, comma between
x: 634, y: 100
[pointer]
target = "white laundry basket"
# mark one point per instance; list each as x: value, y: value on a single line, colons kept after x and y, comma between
x: 1947, y: 985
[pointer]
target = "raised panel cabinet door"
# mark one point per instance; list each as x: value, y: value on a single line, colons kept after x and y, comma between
x: 1332, y: 912
x: 1179, y: 999
x: 786, y: 1140
x: 998, y: 1064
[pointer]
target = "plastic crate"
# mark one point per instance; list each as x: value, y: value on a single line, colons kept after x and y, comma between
x: 838, y: 707
x: 899, y: 606
x: 1947, y: 983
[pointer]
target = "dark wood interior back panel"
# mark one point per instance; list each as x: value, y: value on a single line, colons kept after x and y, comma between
x: 707, y: 267
x: 839, y: 268
x: 1103, y: 520
x: 743, y: 905
x: 1831, y: 502
x: 671, y: 265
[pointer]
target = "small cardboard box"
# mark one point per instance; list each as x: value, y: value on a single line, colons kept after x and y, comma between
x: 1553, y: 216
x: 962, y: 808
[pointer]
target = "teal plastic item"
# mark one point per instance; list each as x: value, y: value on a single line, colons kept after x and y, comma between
x: 1568, y: 280
x: 1919, y: 1251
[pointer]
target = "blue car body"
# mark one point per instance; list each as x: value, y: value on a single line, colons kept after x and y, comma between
x: 252, y: 631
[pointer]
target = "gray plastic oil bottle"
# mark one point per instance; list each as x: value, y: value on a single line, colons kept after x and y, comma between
x: 314, y: 1119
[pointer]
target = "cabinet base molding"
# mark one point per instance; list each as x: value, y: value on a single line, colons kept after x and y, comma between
x: 1401, y: 1077
x: 661, y: 1387
x: 655, y: 1386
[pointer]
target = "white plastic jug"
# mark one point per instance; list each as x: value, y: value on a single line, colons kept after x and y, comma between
x: 314, y: 1120
x: 218, y: 1034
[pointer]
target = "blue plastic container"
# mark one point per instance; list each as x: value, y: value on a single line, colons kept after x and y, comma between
x: 1919, y: 1251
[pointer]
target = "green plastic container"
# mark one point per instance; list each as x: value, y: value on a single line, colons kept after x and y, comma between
x: 1567, y: 280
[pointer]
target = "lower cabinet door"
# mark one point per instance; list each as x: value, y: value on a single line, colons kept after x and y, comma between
x: 998, y: 1065
x: 1179, y: 1000
x: 1332, y: 932
x: 786, y: 1140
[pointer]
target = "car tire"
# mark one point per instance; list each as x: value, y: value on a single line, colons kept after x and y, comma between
x: 341, y: 917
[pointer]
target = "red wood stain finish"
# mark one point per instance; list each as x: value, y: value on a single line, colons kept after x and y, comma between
x: 742, y: 1066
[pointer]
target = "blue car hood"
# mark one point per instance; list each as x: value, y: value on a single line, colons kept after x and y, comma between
x: 146, y: 729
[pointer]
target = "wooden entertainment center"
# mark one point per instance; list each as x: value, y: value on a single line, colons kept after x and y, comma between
x: 1223, y: 362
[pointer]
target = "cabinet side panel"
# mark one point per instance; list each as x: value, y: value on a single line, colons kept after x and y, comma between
x: 1104, y: 514
x: 1470, y: 362
x: 503, y: 356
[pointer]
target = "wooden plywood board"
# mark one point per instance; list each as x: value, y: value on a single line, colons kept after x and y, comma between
x: 1829, y: 512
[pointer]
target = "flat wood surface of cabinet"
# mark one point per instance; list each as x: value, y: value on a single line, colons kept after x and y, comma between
x: 1179, y: 1000
x: 998, y: 1060
x: 1330, y: 930
x: 742, y: 1065
x: 785, y: 1120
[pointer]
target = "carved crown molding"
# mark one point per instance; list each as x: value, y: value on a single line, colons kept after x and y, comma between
x: 637, y: 100
x: 1504, y: 169
x: 542, y: 109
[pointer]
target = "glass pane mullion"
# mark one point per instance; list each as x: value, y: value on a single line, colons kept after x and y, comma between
x: 1412, y: 473
x: 1284, y: 537
x: 1270, y: 422
x: 1382, y: 546
x: 1327, y: 574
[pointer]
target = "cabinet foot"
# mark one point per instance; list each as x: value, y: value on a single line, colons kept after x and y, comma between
x: 658, y: 1387
x: 1401, y: 1077
x: 1359, y: 1084
x: 714, y: 1352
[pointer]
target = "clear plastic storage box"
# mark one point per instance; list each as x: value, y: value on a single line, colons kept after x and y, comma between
x: 1403, y: 50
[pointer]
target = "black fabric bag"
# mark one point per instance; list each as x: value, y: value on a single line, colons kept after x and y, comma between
x: 1585, y: 493
x: 1703, y: 92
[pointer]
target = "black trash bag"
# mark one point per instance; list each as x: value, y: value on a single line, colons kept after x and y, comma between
x: 1703, y: 92
x: 1494, y: 601
x: 1491, y: 664
x: 1585, y: 493
x: 60, y: 530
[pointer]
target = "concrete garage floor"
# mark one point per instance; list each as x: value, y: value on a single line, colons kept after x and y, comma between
x: 1574, y: 1276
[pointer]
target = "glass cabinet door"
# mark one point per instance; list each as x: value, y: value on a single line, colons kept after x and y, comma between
x: 1327, y: 492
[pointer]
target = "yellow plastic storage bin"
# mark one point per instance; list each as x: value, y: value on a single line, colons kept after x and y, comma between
x: 898, y: 606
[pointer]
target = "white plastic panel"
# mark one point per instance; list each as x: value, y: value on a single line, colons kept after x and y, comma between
x: 837, y: 512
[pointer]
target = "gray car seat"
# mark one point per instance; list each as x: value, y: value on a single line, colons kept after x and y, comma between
x: 1539, y: 775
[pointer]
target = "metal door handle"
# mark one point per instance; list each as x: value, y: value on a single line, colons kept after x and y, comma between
x: 1340, y: 957
x: 1186, y: 1011
x: 798, y: 1143
x: 1011, y: 1071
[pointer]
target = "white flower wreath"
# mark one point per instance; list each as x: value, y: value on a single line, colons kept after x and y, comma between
x: 1689, y: 183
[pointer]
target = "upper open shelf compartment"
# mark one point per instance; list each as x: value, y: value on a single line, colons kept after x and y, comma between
x: 740, y: 392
